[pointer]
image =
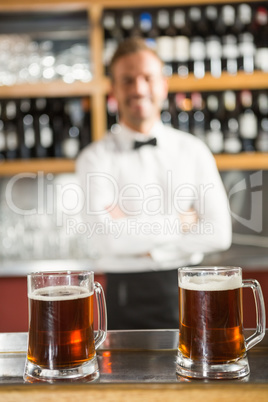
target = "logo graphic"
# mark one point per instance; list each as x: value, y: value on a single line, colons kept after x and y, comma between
x: 255, y: 221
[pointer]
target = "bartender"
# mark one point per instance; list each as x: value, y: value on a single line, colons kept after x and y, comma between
x: 154, y: 198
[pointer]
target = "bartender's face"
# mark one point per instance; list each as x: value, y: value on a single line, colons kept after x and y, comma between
x: 140, y: 88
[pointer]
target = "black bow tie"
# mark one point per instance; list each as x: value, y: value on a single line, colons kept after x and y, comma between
x: 138, y: 144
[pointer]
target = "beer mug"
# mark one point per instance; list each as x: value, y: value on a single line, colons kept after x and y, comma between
x: 211, y: 340
x: 61, y: 340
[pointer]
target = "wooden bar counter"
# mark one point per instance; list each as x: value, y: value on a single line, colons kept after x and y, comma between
x: 134, y: 366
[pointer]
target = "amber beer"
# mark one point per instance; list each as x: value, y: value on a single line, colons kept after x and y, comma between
x: 61, y: 326
x: 211, y: 321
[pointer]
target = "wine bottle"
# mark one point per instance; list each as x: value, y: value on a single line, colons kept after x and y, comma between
x: 232, y: 141
x: 247, y: 50
x: 197, y: 22
x: 163, y: 23
x: 230, y: 54
x: 261, y: 143
x: 166, y: 115
x: 112, y: 111
x: 261, y: 104
x: 226, y: 22
x: 243, y: 19
x: 165, y: 41
x: 71, y: 130
x: 112, y: 35
x: 26, y: 128
x: 147, y: 29
x: 230, y: 126
x: 2, y: 141
x: 127, y: 23
x: 179, y: 23
x: 213, y: 56
x: 56, y: 111
x: 183, y: 107
x: 111, y: 27
x: 248, y: 124
x: 214, y: 136
x: 181, y: 44
x: 85, y: 130
x: 211, y: 18
x: 197, y: 56
x: 260, y: 32
x: 11, y: 130
x: 43, y: 127
x: 215, y: 107
x: 197, y: 122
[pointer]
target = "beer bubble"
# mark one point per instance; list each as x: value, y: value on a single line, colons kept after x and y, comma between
x: 54, y: 293
x: 211, y: 282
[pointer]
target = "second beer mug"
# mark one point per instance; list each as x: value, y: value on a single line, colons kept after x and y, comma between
x: 211, y: 339
x: 61, y: 341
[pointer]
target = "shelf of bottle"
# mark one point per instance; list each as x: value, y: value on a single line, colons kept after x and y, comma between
x: 82, y: 4
x: 47, y: 89
x: 258, y: 80
x: 243, y: 161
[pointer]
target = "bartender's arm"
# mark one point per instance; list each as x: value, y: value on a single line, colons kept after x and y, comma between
x: 140, y: 235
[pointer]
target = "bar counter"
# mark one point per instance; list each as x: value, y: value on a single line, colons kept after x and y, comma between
x: 134, y: 366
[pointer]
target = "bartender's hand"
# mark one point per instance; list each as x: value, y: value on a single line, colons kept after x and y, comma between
x: 188, y: 219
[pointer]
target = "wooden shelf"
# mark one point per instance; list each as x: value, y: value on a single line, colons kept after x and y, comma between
x: 257, y: 80
x: 53, y: 89
x: 100, y: 85
x: 243, y: 161
x: 50, y: 165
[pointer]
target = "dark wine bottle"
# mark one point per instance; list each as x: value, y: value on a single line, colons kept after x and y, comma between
x: 213, y: 62
x: 248, y: 124
x: 85, y: 130
x: 247, y: 50
x: 197, y: 122
x: 2, y: 141
x: 214, y: 136
x: 183, y: 107
x: 166, y: 115
x: 197, y: 56
x: 11, y: 129
x: 230, y: 127
x: 127, y: 23
x: 230, y: 54
x: 72, y: 119
x: 260, y: 32
x: 261, y: 143
x: 26, y: 128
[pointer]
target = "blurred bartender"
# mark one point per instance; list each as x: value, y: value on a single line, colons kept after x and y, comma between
x: 154, y: 198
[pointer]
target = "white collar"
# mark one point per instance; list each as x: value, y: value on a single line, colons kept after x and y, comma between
x: 125, y: 136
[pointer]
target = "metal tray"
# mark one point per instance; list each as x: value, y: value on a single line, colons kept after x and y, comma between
x: 130, y: 357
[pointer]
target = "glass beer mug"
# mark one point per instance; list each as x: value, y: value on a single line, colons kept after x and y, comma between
x: 61, y: 340
x: 211, y: 340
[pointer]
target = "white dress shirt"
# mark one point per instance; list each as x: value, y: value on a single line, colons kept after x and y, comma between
x: 153, y: 186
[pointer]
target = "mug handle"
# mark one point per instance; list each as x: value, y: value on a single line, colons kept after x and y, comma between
x: 100, y: 336
x: 260, y: 312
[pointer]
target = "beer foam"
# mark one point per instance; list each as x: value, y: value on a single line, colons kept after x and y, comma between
x: 55, y: 293
x: 211, y: 282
